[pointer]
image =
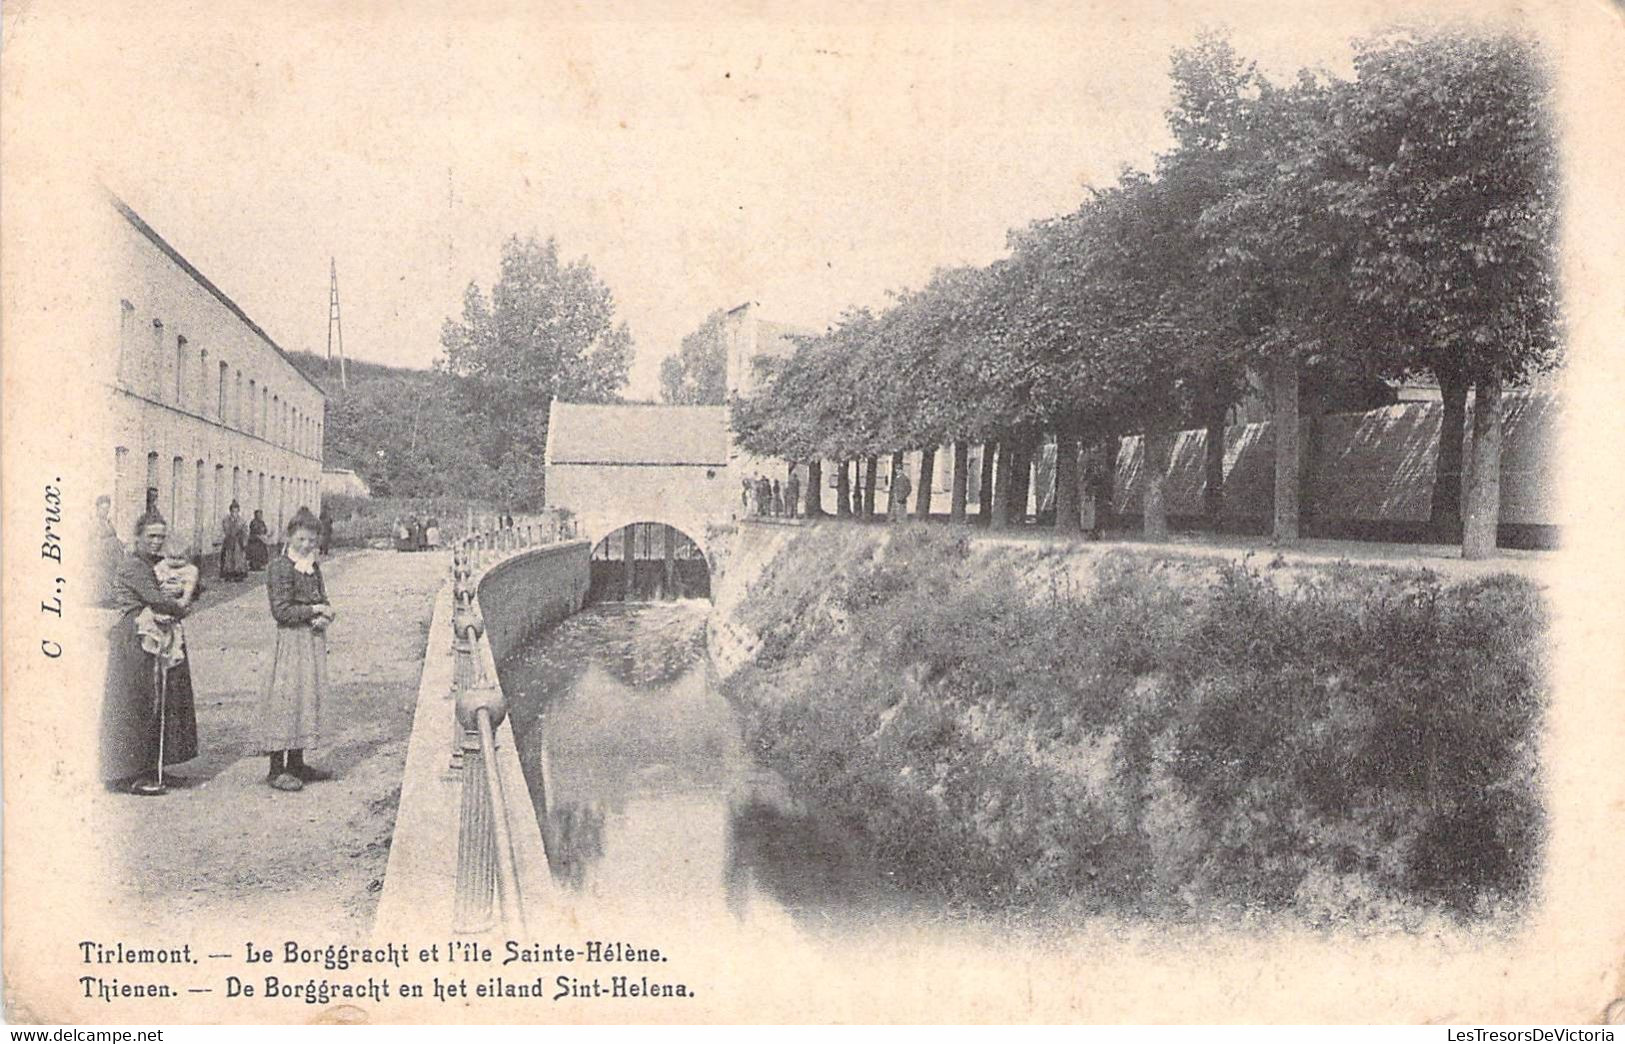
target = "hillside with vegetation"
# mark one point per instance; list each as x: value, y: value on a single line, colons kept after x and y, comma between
x: 475, y: 425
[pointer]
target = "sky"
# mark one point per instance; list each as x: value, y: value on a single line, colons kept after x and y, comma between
x: 807, y: 157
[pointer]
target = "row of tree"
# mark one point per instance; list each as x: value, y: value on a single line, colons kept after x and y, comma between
x: 1327, y: 234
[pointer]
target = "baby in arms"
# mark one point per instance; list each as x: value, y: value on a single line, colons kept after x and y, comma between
x: 160, y: 633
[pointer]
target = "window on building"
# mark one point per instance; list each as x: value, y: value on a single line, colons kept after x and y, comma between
x: 155, y: 372
x: 180, y: 371
x: 177, y: 476
x: 237, y: 485
x: 126, y: 351
x: 203, y: 382
x: 219, y: 502
x: 121, y: 488
x: 265, y: 413
x: 150, y: 497
x: 199, y: 507
x: 276, y: 419
x: 221, y: 394
x: 237, y: 402
x: 253, y: 406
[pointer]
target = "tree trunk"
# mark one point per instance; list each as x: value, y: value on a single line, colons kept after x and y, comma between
x: 1002, y: 481
x: 984, y: 495
x: 1483, y: 508
x: 843, y: 490
x: 871, y: 471
x: 1213, y: 468
x: 1021, y: 481
x: 961, y: 487
x: 1105, y: 500
x: 815, y: 488
x: 1309, y: 433
x: 1444, y: 520
x: 1067, y: 516
x: 1284, y: 418
x: 928, y: 478
x: 1156, y: 451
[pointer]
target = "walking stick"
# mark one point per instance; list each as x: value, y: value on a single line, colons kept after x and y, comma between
x: 160, y: 685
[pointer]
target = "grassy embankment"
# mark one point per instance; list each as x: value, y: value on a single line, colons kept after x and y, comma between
x: 1144, y: 735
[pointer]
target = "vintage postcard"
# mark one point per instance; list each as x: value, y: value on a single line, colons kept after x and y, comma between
x: 843, y: 512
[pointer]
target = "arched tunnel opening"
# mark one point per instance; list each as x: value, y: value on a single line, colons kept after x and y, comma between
x: 648, y: 562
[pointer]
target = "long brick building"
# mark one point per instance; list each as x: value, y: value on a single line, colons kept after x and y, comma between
x: 205, y: 407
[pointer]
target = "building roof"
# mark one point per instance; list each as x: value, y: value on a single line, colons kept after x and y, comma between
x: 637, y: 434
x: 186, y: 266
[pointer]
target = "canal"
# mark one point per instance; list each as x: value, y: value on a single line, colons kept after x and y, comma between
x: 650, y: 806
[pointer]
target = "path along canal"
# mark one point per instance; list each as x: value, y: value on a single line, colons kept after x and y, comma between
x: 651, y: 808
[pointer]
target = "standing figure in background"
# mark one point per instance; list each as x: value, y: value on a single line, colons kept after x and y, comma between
x: 327, y: 530
x: 432, y: 532
x: 778, y: 499
x: 258, y: 551
x: 233, y: 544
x: 900, y: 490
x: 792, y: 495
x: 744, y: 495
x: 764, y: 495
x: 109, y: 551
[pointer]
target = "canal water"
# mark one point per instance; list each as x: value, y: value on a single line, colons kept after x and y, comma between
x: 650, y: 806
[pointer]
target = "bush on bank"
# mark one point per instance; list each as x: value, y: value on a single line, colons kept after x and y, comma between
x: 1342, y: 743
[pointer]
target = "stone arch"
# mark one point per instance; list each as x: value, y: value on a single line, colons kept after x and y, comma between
x: 598, y: 535
x: 597, y: 530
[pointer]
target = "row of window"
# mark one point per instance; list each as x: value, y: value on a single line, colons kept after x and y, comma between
x: 211, y: 390
x: 195, y: 497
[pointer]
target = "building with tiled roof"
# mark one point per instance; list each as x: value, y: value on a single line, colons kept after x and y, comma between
x: 637, y: 434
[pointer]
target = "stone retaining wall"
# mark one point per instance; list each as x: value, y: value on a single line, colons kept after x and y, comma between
x: 533, y: 590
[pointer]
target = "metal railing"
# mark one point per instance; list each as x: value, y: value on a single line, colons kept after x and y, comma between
x: 490, y: 542
x: 487, y: 868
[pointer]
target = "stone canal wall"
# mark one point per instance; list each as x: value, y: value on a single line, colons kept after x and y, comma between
x: 742, y: 554
x: 532, y: 591
x: 517, y: 597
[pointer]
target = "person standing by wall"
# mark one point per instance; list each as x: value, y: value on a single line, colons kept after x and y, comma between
x: 109, y: 551
x: 233, y: 544
x: 792, y: 495
x: 259, y: 551
x: 900, y: 489
x: 291, y: 702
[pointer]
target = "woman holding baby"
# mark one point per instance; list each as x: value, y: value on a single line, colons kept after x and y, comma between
x: 148, y: 720
x: 291, y: 704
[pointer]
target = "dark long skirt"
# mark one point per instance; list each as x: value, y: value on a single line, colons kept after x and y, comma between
x: 129, y: 731
x: 233, y: 561
x: 258, y: 554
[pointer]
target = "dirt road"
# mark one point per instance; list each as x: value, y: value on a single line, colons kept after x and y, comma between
x: 224, y: 854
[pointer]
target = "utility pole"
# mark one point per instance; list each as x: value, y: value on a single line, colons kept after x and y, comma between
x: 334, y: 326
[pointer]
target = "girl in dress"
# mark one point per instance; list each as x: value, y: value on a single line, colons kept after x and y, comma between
x: 291, y: 705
